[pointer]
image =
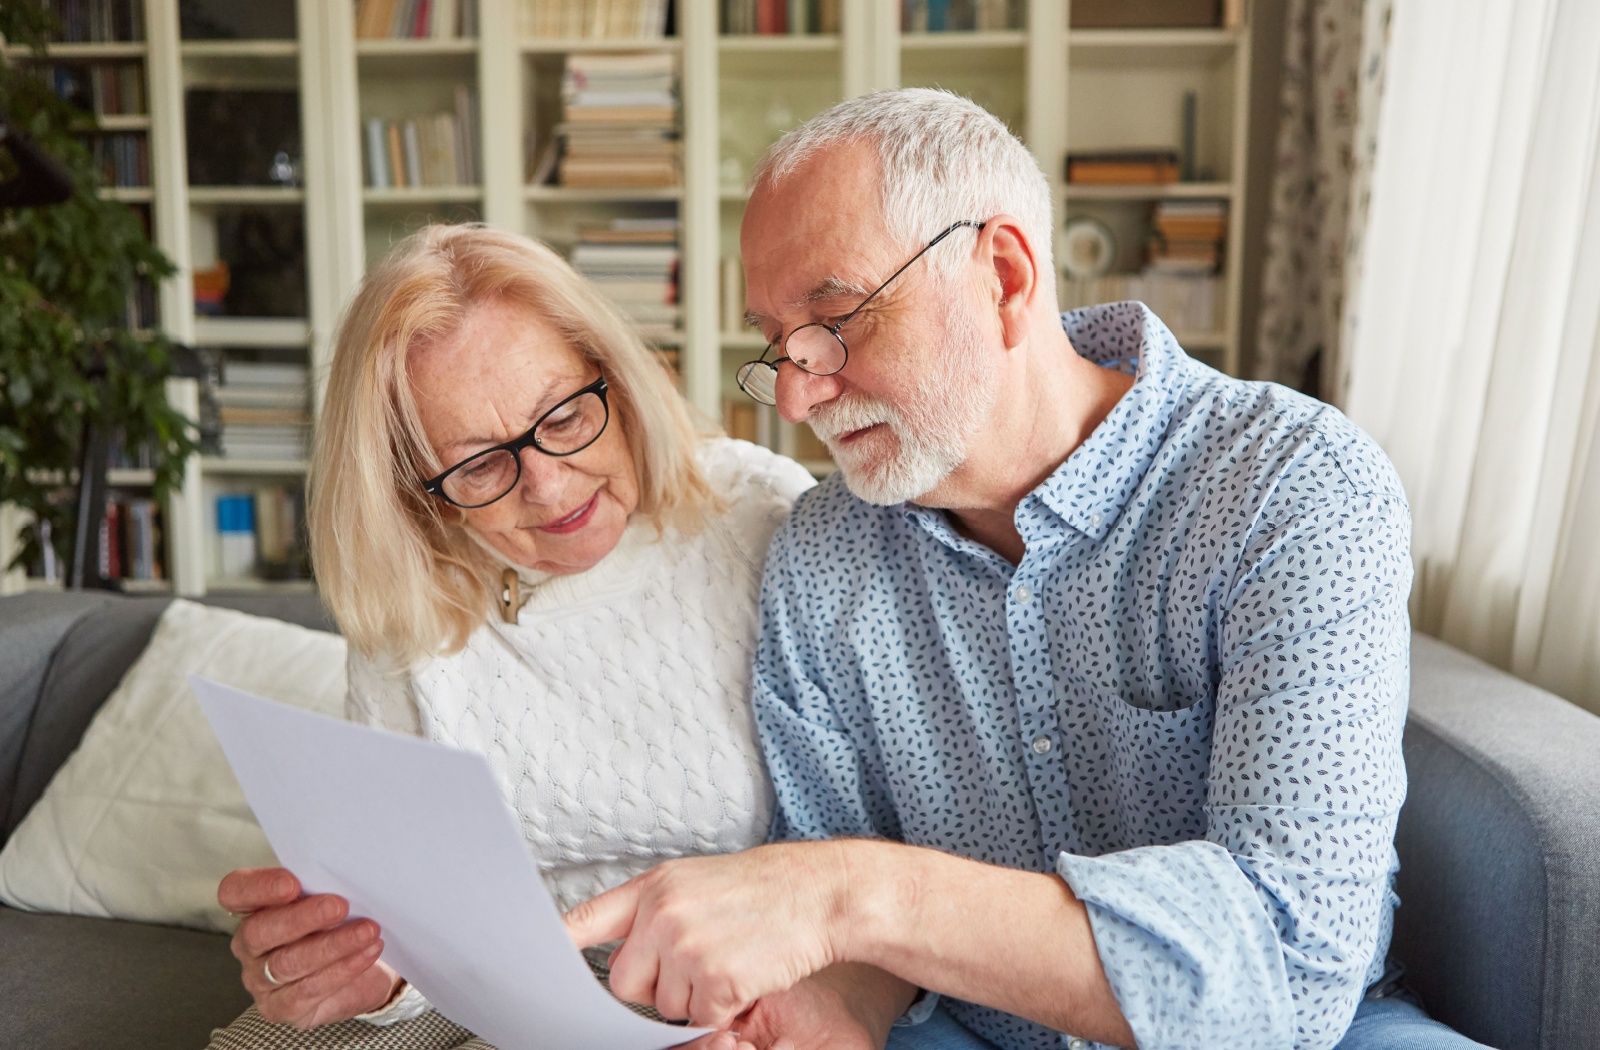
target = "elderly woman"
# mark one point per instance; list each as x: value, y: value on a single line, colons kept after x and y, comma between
x: 532, y: 555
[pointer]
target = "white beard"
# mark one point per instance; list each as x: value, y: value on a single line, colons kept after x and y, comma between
x: 931, y: 429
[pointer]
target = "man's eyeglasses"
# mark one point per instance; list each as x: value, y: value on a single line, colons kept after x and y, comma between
x: 569, y: 427
x: 818, y: 348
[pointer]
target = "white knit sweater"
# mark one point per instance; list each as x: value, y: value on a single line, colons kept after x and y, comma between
x: 615, y: 713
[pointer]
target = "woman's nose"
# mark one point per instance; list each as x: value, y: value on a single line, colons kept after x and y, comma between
x: 542, y: 478
x: 797, y: 391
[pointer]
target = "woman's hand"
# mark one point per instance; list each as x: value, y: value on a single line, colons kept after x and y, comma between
x: 302, y: 961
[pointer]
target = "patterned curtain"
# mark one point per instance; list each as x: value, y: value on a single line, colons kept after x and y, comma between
x: 1332, y: 75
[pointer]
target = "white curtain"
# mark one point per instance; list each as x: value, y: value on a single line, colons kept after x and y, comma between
x: 1472, y: 330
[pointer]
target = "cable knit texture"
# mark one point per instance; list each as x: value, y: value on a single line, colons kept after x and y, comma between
x: 616, y: 712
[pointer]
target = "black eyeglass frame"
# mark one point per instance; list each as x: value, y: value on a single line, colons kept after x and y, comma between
x: 434, y: 486
x: 833, y: 329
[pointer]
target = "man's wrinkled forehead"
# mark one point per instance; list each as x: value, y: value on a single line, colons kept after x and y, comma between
x: 815, y: 234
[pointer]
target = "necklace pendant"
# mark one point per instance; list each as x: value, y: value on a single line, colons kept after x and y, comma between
x: 510, y: 599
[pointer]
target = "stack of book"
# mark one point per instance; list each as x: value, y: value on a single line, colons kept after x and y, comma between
x: 1189, y: 304
x: 777, y: 17
x: 942, y: 16
x: 264, y: 411
x: 98, y: 21
x: 1123, y: 168
x: 416, y: 19
x: 620, y: 126
x: 595, y: 19
x: 437, y: 150
x: 634, y: 263
x: 130, y: 541
x: 1188, y: 236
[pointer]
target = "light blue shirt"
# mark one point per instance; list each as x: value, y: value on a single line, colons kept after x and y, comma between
x: 1187, y: 699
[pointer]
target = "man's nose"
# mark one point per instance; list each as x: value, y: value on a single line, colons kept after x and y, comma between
x: 797, y: 391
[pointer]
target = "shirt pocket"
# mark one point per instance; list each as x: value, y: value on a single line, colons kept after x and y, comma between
x: 1157, y: 766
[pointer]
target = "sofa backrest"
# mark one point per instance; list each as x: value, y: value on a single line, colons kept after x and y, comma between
x: 61, y: 655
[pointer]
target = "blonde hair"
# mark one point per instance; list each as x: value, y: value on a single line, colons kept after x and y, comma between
x: 396, y: 566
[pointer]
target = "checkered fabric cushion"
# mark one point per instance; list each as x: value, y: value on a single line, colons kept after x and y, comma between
x: 430, y: 1031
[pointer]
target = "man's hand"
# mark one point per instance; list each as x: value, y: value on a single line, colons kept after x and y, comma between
x: 707, y: 937
x: 845, y: 1007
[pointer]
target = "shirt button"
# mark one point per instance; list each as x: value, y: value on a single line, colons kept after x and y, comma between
x: 1094, y: 519
x: 1024, y: 593
x: 1042, y: 744
x: 1078, y: 1044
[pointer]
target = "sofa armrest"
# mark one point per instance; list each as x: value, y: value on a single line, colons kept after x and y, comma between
x: 1499, y: 843
x: 32, y: 627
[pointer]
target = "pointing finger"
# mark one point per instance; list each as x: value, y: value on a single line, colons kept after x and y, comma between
x: 608, y: 917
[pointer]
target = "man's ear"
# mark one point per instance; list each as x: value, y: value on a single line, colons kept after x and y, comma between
x: 1015, y: 278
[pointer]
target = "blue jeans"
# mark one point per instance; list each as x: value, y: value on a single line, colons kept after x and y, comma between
x: 1399, y: 1023
x: 1395, y: 1023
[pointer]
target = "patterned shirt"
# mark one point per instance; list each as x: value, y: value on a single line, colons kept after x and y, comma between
x: 1186, y: 700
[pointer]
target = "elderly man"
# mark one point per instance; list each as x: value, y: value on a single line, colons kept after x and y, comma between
x: 1085, y: 681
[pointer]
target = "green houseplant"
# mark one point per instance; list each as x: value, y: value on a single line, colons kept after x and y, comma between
x: 67, y: 353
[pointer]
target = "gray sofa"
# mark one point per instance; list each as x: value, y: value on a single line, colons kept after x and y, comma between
x: 1500, y: 841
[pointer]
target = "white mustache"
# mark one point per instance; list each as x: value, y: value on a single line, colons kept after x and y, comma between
x: 839, y: 417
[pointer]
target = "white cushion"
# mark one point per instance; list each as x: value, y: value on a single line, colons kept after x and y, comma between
x: 145, y: 817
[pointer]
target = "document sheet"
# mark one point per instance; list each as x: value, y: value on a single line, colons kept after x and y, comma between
x: 418, y: 837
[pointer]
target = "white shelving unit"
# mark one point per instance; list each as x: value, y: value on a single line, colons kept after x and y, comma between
x: 1059, y: 89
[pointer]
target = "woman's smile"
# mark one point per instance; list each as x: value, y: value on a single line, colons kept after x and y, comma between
x: 574, y: 521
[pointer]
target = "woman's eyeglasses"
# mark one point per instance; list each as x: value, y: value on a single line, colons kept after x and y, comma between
x: 569, y: 427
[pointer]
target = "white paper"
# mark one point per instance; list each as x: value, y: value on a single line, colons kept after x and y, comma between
x: 418, y: 837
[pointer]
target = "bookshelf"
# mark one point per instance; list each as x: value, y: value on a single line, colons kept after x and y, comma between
x: 499, y: 74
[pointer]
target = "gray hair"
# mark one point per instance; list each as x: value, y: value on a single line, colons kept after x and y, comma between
x: 943, y: 158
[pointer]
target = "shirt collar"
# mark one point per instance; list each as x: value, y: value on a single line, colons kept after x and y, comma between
x: 1089, y: 490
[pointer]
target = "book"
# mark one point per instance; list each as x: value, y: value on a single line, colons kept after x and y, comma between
x: 281, y: 416
x: 265, y: 373
x: 413, y: 158
x: 1129, y: 167
x: 259, y: 397
x: 397, y: 156
x: 1145, y: 14
x: 377, y: 155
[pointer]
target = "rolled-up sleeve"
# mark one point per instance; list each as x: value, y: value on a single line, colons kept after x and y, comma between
x: 1265, y: 933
